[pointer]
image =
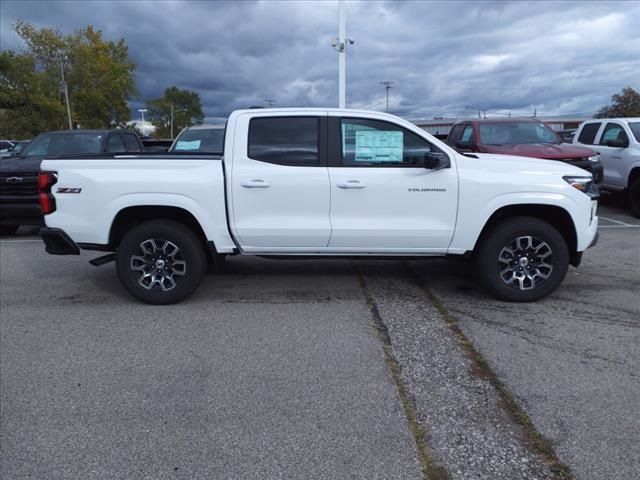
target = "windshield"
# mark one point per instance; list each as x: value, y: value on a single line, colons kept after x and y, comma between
x: 510, y: 133
x: 635, y: 128
x: 200, y: 140
x: 64, y: 144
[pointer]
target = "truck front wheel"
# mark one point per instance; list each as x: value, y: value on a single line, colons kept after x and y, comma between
x: 161, y: 262
x: 522, y: 259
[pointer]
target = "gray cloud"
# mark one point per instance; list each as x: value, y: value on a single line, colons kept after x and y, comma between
x: 447, y: 58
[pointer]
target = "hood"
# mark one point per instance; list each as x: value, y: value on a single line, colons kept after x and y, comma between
x: 550, y: 151
x: 523, y: 165
x: 20, y: 164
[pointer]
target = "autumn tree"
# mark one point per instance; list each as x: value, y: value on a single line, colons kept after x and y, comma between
x: 623, y: 104
x: 185, y: 106
x: 99, y: 76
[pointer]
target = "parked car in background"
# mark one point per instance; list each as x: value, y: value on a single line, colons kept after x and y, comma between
x: 6, y: 146
x: 617, y: 140
x: 19, y: 174
x: 567, y: 135
x: 200, y: 138
x: 153, y: 144
x: 526, y: 137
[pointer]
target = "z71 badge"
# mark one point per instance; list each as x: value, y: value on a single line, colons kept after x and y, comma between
x: 68, y: 190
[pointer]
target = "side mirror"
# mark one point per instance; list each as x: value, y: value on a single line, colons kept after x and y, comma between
x: 436, y: 161
x: 617, y: 143
x: 463, y: 145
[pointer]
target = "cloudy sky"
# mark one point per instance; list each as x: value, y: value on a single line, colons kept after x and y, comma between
x: 447, y: 58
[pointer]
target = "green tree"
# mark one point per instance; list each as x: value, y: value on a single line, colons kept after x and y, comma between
x: 186, y: 108
x: 623, y: 104
x: 29, y: 103
x: 99, y: 76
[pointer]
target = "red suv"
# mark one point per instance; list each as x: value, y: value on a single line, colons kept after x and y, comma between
x: 526, y: 137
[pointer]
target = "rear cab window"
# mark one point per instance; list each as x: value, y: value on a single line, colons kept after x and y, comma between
x: 588, y: 133
x: 131, y: 142
x: 292, y: 141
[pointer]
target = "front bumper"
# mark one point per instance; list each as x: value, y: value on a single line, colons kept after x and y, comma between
x: 57, y: 242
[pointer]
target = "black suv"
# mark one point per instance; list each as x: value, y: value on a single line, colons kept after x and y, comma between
x: 19, y: 203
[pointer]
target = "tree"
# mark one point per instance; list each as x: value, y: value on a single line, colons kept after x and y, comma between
x: 186, y: 108
x: 28, y: 103
x: 624, y: 104
x: 99, y: 76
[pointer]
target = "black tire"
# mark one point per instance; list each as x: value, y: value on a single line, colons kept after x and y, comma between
x: 178, y: 273
x: 8, y: 229
x: 509, y: 277
x: 634, y: 197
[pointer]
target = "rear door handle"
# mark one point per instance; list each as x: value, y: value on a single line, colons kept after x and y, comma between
x: 352, y: 184
x: 255, y: 183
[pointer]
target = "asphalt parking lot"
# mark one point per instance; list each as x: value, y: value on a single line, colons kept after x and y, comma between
x: 318, y: 369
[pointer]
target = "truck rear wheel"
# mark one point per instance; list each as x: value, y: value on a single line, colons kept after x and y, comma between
x: 522, y: 259
x: 161, y: 262
x: 634, y: 197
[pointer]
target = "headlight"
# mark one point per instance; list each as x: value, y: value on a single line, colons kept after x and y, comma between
x: 581, y: 183
x: 595, y: 158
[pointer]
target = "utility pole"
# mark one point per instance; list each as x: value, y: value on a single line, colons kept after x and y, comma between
x: 387, y: 86
x: 63, y: 84
x: 171, y: 121
x: 269, y: 102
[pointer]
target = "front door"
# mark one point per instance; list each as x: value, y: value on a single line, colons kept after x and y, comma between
x: 383, y: 199
x: 280, y: 184
x: 612, y: 157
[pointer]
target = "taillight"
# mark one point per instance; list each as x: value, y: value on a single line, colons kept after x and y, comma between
x: 46, y: 180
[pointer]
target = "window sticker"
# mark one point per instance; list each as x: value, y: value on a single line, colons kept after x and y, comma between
x: 378, y: 146
x: 184, y: 145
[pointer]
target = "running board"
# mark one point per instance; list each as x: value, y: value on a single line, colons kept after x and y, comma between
x: 96, y: 262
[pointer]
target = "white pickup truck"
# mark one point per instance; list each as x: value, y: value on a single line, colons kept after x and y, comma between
x: 323, y: 183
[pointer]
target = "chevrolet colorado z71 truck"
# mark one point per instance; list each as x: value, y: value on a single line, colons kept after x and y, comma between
x: 323, y: 183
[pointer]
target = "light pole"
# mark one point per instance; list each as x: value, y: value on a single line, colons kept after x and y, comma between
x: 339, y: 45
x: 171, y: 118
x: 387, y: 86
x: 142, y: 110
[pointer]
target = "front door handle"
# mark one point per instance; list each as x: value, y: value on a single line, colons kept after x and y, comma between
x: 352, y: 184
x: 255, y: 183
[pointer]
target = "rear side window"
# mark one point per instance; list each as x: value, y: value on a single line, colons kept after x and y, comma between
x: 613, y: 131
x: 588, y: 133
x: 285, y: 140
x: 131, y: 143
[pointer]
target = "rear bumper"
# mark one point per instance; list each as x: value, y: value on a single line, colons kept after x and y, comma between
x: 21, y: 214
x: 57, y: 242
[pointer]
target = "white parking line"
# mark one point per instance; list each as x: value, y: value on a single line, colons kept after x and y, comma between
x: 618, y: 226
x: 617, y: 221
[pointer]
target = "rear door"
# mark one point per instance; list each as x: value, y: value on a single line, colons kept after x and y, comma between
x: 383, y: 199
x: 279, y: 183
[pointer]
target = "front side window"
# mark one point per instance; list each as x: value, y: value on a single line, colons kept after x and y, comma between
x: 378, y: 143
x: 284, y: 140
x: 613, y: 131
x: 588, y: 133
x: 467, y: 135
x: 116, y: 145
